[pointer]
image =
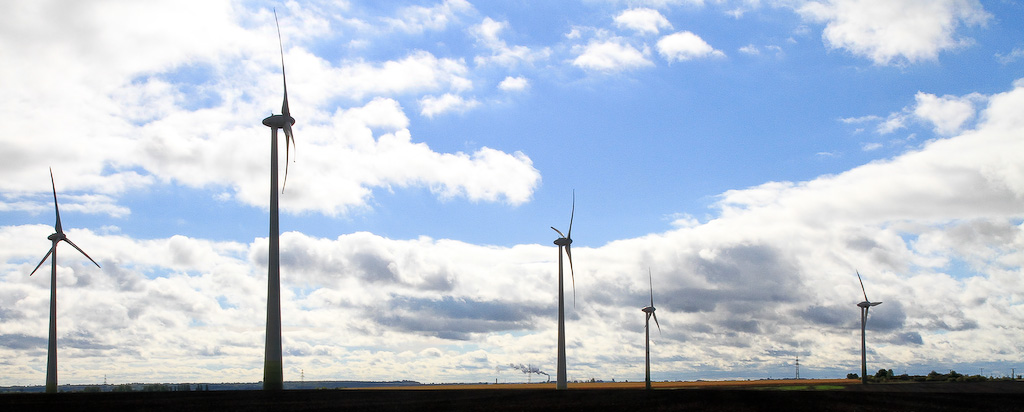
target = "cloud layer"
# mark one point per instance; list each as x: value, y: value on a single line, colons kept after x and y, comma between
x: 936, y: 233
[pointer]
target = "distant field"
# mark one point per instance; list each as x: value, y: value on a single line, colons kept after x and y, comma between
x: 810, y: 383
x: 840, y: 395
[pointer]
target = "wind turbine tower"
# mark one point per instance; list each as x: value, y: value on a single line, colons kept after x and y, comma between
x: 564, y: 241
x: 647, y: 331
x: 57, y: 237
x: 273, y: 366
x: 864, y: 306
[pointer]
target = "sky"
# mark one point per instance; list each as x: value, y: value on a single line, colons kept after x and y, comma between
x: 752, y: 155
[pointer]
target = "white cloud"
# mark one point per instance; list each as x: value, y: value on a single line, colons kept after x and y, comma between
x: 948, y: 113
x: 1014, y: 55
x: 127, y: 126
x: 684, y: 46
x: 418, y: 72
x: 611, y: 55
x: 642, y: 20
x: 888, y: 31
x: 488, y: 33
x: 514, y: 83
x: 664, y: 4
x: 417, y: 19
x: 867, y: 147
x: 432, y: 106
x: 894, y: 122
x: 753, y: 50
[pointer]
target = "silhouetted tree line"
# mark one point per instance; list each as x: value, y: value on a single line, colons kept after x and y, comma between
x: 160, y: 387
x: 887, y: 375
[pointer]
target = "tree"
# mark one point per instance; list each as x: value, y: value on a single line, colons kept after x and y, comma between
x: 852, y: 376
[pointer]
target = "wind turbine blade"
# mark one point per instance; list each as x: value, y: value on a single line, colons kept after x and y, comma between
x: 287, y: 149
x: 56, y: 226
x: 650, y: 277
x: 571, y: 215
x: 655, y: 316
x: 571, y: 275
x: 862, y: 287
x: 280, y: 43
x: 289, y: 137
x: 82, y: 251
x: 557, y: 231
x: 44, y: 260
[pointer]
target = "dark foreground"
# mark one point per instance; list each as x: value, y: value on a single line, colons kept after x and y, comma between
x: 988, y: 396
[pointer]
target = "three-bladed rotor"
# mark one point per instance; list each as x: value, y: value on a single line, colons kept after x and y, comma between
x: 564, y: 241
x: 58, y: 235
x: 650, y: 309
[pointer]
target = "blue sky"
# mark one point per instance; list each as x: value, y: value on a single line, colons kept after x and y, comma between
x: 753, y: 154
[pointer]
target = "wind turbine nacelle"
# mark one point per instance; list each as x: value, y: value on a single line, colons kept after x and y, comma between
x: 278, y: 121
x: 866, y: 304
x: 649, y: 309
x: 563, y: 241
x: 57, y: 237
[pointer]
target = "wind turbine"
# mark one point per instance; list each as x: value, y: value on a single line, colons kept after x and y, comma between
x: 647, y: 329
x: 273, y: 366
x: 563, y: 242
x: 57, y: 237
x: 864, y: 306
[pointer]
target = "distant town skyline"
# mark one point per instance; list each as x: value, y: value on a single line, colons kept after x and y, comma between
x: 754, y: 154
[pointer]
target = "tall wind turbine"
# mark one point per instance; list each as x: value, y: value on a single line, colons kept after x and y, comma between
x: 647, y: 329
x: 273, y: 366
x: 57, y: 237
x: 563, y: 242
x: 864, y: 306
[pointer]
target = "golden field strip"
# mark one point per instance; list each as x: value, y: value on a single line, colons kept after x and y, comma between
x: 631, y: 385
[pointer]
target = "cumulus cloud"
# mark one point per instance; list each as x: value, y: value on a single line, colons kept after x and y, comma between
x: 684, y: 46
x: 432, y: 106
x: 948, y: 113
x: 514, y: 84
x: 418, y: 72
x: 642, y: 20
x: 890, y: 32
x: 611, y: 55
x: 127, y: 123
